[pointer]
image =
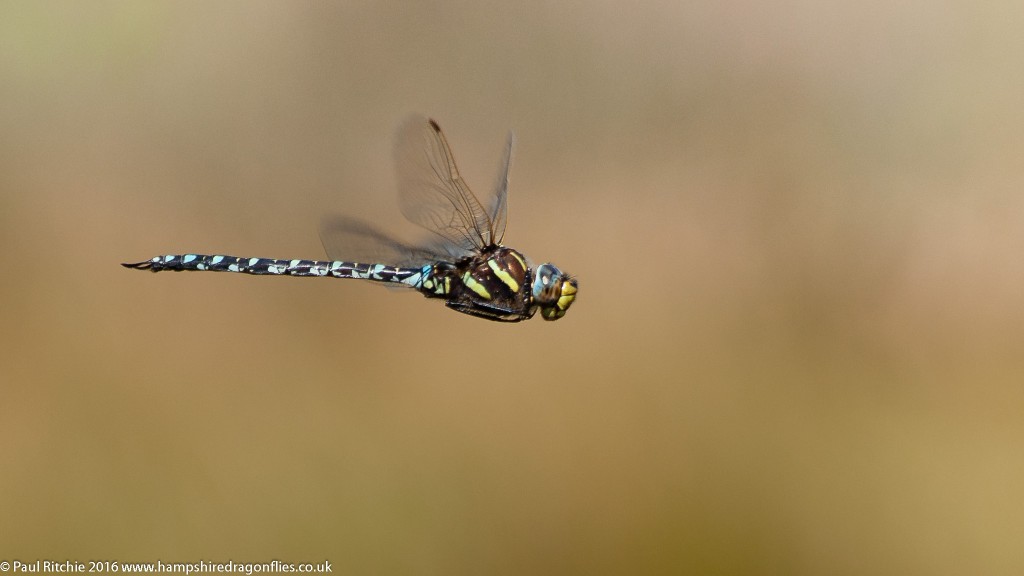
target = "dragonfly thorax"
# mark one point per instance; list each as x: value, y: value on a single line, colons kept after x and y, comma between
x: 494, y: 283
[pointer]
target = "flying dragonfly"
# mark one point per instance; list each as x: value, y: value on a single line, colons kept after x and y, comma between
x: 465, y: 264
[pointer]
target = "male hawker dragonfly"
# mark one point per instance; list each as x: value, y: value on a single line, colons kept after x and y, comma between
x: 465, y: 265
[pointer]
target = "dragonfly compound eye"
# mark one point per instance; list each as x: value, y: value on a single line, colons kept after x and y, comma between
x: 553, y: 291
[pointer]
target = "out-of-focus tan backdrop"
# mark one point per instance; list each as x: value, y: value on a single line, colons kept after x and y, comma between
x: 798, y: 346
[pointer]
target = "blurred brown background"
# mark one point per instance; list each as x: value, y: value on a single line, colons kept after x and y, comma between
x: 798, y: 346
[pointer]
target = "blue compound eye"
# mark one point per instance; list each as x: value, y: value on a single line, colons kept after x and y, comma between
x: 553, y: 291
x: 547, y: 285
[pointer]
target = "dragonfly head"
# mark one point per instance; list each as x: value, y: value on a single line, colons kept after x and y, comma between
x: 553, y: 291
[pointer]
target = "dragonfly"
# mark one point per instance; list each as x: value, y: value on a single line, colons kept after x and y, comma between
x: 463, y: 263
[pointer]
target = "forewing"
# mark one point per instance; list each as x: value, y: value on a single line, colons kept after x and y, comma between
x: 431, y: 191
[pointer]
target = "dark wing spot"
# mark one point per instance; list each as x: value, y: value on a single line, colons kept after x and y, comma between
x: 433, y: 124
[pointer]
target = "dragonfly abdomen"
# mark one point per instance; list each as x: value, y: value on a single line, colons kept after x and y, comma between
x: 276, y: 267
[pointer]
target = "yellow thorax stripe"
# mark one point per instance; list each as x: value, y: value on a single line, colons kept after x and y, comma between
x: 503, y: 275
x: 475, y: 286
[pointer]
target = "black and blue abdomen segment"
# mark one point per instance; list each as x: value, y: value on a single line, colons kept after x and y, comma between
x: 274, y: 267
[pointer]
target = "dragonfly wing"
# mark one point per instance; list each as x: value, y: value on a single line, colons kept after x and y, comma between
x: 354, y: 240
x: 499, y: 204
x: 431, y: 191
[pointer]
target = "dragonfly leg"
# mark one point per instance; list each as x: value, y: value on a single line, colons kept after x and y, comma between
x: 489, y: 311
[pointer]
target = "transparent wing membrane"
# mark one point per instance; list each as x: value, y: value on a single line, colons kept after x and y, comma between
x: 433, y: 194
x: 355, y: 240
x: 499, y: 203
